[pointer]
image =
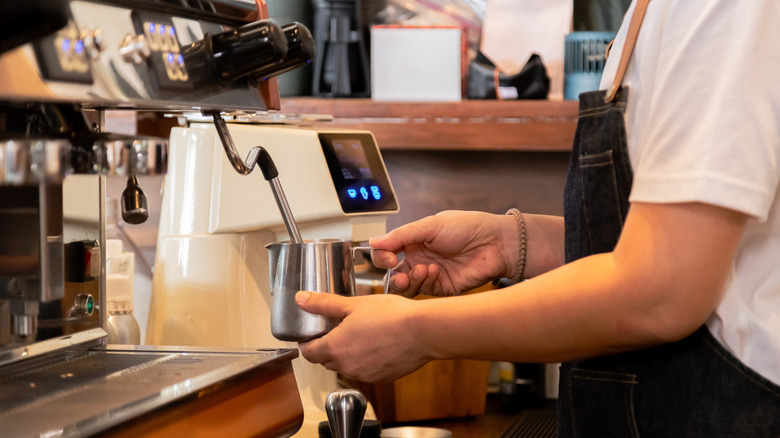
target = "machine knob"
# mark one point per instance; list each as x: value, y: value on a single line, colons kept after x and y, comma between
x: 300, y: 51
x: 84, y: 305
x: 134, y: 49
x: 93, y: 41
x: 97, y: 40
x: 244, y: 50
x: 346, y: 409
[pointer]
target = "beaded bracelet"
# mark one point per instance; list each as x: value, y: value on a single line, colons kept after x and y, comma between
x: 523, y: 244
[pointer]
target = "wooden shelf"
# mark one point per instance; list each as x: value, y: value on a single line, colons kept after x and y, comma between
x: 526, y: 125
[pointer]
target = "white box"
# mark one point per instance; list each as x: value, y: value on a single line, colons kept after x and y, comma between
x: 416, y: 63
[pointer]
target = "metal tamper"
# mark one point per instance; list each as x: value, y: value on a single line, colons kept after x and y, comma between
x: 346, y: 409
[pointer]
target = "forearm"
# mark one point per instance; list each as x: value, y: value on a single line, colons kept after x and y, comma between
x: 660, y: 284
x: 569, y: 313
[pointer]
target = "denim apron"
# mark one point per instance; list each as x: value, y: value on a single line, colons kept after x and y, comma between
x: 690, y: 388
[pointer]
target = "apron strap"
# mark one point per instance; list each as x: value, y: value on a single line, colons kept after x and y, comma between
x: 628, y: 47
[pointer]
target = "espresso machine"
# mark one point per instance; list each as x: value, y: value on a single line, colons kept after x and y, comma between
x: 212, y: 269
x: 63, y: 64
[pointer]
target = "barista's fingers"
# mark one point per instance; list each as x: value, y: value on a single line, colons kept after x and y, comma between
x: 383, y: 259
x: 429, y: 285
x: 399, y: 285
x: 417, y: 276
x: 313, y: 351
x: 332, y: 305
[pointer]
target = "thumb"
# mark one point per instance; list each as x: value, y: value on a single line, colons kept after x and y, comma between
x: 331, y: 305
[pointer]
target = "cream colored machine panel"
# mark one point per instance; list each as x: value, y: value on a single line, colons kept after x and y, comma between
x: 239, y: 203
x: 246, y: 202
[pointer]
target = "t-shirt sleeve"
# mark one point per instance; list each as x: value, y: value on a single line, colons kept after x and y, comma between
x: 705, y: 123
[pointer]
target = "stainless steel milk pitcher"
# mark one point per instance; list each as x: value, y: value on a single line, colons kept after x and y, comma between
x: 322, y: 265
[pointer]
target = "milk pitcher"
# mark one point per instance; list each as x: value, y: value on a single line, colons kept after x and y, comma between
x: 322, y: 265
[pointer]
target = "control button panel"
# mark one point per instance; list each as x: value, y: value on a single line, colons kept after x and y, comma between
x: 168, y: 69
x: 64, y: 55
x: 359, y: 177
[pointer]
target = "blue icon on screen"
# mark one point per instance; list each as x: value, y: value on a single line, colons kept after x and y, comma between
x: 376, y: 193
x: 352, y: 193
x: 364, y: 193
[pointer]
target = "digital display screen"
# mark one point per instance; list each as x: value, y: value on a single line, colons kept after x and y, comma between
x: 358, y: 173
x: 352, y: 158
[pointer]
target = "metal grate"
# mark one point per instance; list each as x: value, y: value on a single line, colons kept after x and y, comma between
x: 533, y: 424
x: 91, y: 391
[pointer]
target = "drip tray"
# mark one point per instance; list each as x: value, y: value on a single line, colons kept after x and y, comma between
x: 80, y: 393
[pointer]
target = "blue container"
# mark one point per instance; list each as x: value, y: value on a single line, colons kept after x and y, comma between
x: 583, y: 63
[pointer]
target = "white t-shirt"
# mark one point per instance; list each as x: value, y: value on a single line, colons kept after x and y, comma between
x: 703, y: 124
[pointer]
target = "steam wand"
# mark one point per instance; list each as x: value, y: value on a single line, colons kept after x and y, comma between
x: 257, y: 155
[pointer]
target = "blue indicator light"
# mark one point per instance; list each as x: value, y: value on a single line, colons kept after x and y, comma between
x: 180, y: 59
x: 364, y: 193
x: 65, y: 45
x: 170, y: 58
x: 79, y: 46
x: 352, y: 193
x: 162, y: 29
x: 376, y: 193
x: 171, y: 31
x: 151, y: 27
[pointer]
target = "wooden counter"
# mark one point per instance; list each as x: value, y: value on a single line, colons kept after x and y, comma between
x: 488, y: 125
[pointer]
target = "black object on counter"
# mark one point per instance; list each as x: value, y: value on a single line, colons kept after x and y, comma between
x: 531, y: 82
x: 341, y: 64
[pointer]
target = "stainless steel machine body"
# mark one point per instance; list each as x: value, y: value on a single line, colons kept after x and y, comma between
x: 62, y: 63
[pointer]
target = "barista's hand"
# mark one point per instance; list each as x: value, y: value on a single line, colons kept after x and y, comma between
x: 448, y: 253
x: 372, y: 343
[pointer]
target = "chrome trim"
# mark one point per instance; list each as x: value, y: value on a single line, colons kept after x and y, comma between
x: 51, y: 345
x: 136, y: 155
x: 26, y: 161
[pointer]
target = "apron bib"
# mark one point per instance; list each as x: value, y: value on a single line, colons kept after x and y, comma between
x: 690, y: 388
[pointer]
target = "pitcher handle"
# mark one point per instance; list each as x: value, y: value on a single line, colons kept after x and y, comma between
x: 386, y: 280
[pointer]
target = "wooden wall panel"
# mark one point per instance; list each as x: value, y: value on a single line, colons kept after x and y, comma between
x: 427, y: 182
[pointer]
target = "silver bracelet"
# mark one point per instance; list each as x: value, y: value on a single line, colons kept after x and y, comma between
x: 523, y: 244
